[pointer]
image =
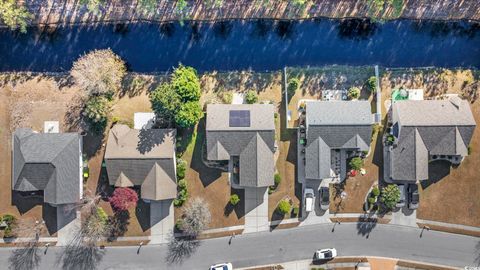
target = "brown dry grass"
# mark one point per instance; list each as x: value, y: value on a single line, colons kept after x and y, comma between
x: 449, y: 229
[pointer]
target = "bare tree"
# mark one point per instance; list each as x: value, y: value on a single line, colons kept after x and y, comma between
x: 99, y: 72
x: 196, y: 217
x: 26, y: 257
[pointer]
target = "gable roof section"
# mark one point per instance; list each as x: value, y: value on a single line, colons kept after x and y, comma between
x: 142, y: 158
x: 48, y: 162
x: 356, y: 112
x: 318, y: 160
x: 254, y: 145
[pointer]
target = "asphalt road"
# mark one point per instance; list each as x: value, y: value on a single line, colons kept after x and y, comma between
x: 293, y: 244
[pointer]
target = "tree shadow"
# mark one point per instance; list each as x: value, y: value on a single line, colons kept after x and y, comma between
x: 356, y: 29
x: 262, y: 28
x: 119, y: 224
x: 477, y: 250
x: 149, y: 138
x: 222, y: 29
x: 80, y: 257
x: 180, y: 249
x: 25, y: 257
x: 285, y: 29
x: 365, y: 226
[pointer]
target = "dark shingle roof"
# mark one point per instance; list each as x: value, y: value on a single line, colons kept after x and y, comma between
x: 47, y: 161
x: 428, y: 127
x: 143, y: 158
x: 253, y: 145
x: 335, y: 125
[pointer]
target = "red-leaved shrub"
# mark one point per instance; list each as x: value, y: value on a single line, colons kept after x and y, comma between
x: 123, y: 199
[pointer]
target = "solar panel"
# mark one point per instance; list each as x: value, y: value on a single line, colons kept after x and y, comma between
x: 239, y: 118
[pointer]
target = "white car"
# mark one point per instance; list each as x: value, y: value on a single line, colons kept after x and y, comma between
x: 222, y: 266
x: 309, y: 200
x: 325, y: 254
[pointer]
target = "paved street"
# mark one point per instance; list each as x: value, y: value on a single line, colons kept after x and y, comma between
x: 296, y: 244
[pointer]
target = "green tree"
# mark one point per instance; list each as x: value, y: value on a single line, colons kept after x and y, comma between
x: 251, y: 97
x: 189, y: 114
x: 14, y: 15
x: 354, y: 93
x: 165, y: 102
x: 277, y: 179
x: 284, y: 207
x: 293, y: 85
x: 148, y: 6
x: 234, y: 199
x: 356, y: 163
x: 93, y: 6
x: 97, y: 110
x: 186, y: 83
x: 390, y: 196
x: 371, y: 84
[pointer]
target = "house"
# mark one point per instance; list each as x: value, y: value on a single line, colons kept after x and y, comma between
x: 50, y: 163
x: 334, y: 131
x: 143, y: 158
x: 422, y: 131
x: 243, y: 135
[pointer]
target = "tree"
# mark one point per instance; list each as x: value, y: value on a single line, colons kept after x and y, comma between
x: 165, y: 102
x: 97, y: 109
x: 99, y: 72
x: 93, y: 5
x: 234, y: 199
x: 354, y: 93
x: 181, y: 168
x: 277, y: 178
x: 14, y: 15
x: 284, y: 207
x: 371, y: 84
x: 189, y: 114
x: 148, y: 6
x: 293, y: 85
x: 251, y: 97
x: 123, y: 199
x: 356, y: 163
x: 390, y: 196
x: 186, y: 83
x: 196, y: 217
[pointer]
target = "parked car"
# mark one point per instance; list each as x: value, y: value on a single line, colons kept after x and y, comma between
x: 325, y: 254
x: 401, y: 202
x: 413, y: 196
x: 222, y: 266
x: 309, y: 196
x: 324, y: 198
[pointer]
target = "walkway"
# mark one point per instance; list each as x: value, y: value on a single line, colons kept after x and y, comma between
x: 256, y: 209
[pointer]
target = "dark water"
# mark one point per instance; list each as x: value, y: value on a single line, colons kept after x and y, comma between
x: 257, y: 45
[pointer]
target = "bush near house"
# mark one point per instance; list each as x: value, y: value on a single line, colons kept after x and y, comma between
x: 96, y: 111
x: 123, y: 199
x: 293, y: 85
x: 390, y: 195
x: 102, y: 215
x: 354, y: 93
x: 356, y: 163
x: 277, y: 179
x: 284, y: 207
x: 251, y: 97
x: 181, y: 168
x: 234, y: 199
x: 371, y: 84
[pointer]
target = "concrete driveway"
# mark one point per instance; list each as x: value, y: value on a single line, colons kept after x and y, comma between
x: 256, y: 210
x: 162, y: 221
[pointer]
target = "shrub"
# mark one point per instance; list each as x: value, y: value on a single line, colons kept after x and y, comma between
x: 123, y: 199
x: 284, y: 207
x: 102, y: 216
x: 371, y: 84
x: 371, y: 200
x: 271, y: 189
x: 182, y: 184
x: 186, y: 83
x: 469, y: 150
x: 296, y: 211
x: 354, y: 93
x: 96, y: 111
x: 182, y: 196
x: 277, y: 179
x: 227, y: 97
x: 181, y: 168
x: 356, y: 163
x: 251, y: 97
x: 196, y: 217
x: 99, y: 72
x: 179, y: 224
x: 293, y: 85
x: 9, y: 219
x: 375, y: 191
x: 188, y: 114
x: 234, y: 199
x: 390, y: 195
x: 15, y: 15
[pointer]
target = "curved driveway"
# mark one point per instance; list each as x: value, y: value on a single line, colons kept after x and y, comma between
x: 297, y: 244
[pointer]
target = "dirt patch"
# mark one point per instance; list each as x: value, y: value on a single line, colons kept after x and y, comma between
x: 449, y: 229
x: 382, y: 263
x: 420, y: 266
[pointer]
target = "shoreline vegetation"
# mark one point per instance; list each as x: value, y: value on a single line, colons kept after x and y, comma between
x: 70, y: 12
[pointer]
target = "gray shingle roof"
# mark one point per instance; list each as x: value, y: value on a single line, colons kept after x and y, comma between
x: 253, y: 145
x: 335, y: 125
x: 428, y: 127
x: 48, y: 162
x: 143, y: 158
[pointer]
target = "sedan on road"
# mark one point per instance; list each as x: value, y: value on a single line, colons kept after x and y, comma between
x: 325, y: 254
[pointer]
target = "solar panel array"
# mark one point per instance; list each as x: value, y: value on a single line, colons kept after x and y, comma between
x: 239, y: 118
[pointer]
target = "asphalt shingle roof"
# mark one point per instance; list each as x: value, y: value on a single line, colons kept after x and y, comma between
x: 47, y: 161
x: 253, y: 145
x: 143, y: 158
